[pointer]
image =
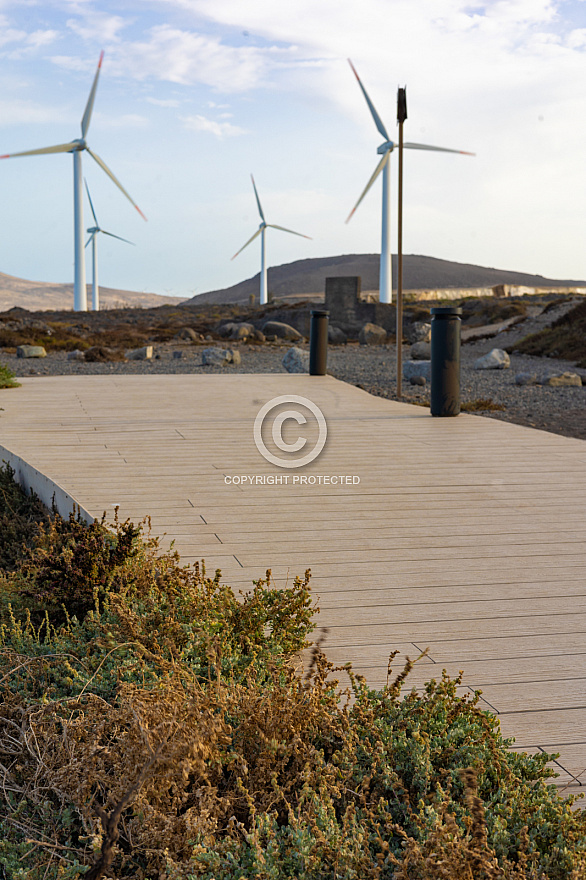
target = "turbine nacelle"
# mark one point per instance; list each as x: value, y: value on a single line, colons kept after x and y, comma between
x: 387, y: 147
x: 78, y: 145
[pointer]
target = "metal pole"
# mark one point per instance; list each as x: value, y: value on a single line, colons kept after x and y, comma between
x: 318, y: 342
x: 401, y: 117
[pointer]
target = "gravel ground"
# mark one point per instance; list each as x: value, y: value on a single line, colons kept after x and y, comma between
x: 559, y: 410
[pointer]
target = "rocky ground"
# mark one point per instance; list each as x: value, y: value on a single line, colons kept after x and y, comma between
x: 559, y: 410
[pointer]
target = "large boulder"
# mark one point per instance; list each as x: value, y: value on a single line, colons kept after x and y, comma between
x: 226, y: 330
x: 336, y: 335
x: 497, y: 359
x: 372, y: 334
x: 140, y: 354
x: 186, y: 334
x: 219, y: 357
x: 296, y: 361
x: 417, y: 368
x: 281, y: 331
x: 418, y: 331
x: 30, y: 351
x: 102, y: 354
x: 561, y: 380
x: 420, y: 351
x: 526, y: 378
x: 242, y: 330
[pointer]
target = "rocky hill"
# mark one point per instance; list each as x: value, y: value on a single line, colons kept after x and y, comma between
x: 44, y: 296
x: 307, y: 277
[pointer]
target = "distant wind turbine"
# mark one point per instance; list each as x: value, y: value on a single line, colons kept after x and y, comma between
x: 385, y: 149
x: 261, y: 231
x: 77, y: 147
x: 93, y: 230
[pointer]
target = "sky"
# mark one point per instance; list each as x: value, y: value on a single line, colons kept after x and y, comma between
x: 195, y: 95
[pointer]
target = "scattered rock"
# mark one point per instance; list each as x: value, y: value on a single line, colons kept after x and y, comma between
x: 372, y: 334
x: 257, y: 336
x: 526, y: 379
x: 296, y: 361
x: 76, y: 355
x: 560, y: 380
x: 417, y: 368
x: 420, y: 351
x: 140, y: 354
x: 187, y: 334
x: 218, y: 357
x: 177, y: 355
x: 226, y: 330
x: 100, y: 354
x: 31, y: 351
x: 281, y: 330
x: 336, y: 335
x: 242, y: 331
x: 418, y: 380
x: 418, y: 331
x: 497, y: 359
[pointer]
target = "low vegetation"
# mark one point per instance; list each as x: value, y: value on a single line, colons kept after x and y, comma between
x: 482, y: 404
x: 565, y: 338
x: 154, y: 725
x: 7, y: 378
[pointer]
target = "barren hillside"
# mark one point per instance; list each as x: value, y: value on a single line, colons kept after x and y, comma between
x: 42, y: 295
x: 307, y: 277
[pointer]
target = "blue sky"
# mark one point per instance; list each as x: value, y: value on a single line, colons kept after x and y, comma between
x: 197, y: 94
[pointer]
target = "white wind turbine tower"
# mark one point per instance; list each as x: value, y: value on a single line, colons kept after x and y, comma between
x: 94, y: 230
x: 261, y: 231
x: 77, y: 147
x: 385, y: 149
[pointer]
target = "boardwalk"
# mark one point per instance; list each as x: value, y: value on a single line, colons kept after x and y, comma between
x: 465, y: 536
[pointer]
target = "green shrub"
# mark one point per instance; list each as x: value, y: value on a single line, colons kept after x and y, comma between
x: 167, y: 730
x: 7, y: 378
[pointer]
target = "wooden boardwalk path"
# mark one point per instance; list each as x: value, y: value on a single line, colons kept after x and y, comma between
x: 465, y: 536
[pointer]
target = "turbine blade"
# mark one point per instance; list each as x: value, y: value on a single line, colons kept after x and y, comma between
x: 59, y: 148
x: 262, y: 216
x: 412, y: 146
x: 105, y: 168
x: 91, y: 203
x: 377, y: 120
x: 85, y: 121
x: 375, y: 174
x: 257, y: 233
x: 89, y: 239
x: 284, y: 229
x: 111, y: 234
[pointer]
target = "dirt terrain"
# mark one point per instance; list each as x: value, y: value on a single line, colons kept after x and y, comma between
x: 525, y: 327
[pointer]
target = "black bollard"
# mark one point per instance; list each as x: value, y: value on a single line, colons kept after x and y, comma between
x: 318, y: 342
x: 445, y: 361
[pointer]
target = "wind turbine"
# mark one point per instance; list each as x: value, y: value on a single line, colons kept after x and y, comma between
x: 93, y: 230
x: 261, y: 231
x: 77, y: 147
x: 385, y: 150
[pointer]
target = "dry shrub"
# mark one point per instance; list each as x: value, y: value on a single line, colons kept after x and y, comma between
x: 169, y: 733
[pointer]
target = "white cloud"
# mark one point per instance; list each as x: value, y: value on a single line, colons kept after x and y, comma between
x: 219, y: 129
x: 22, y: 112
x: 97, y: 26
x: 163, y: 102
